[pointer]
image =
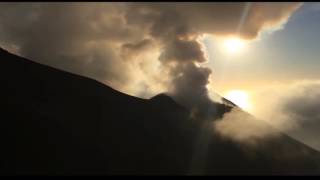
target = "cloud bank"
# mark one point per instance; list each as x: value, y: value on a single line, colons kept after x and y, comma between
x: 293, y: 108
x: 244, y: 128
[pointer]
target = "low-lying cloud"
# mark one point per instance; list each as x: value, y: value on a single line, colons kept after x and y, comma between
x: 292, y: 108
x: 243, y: 127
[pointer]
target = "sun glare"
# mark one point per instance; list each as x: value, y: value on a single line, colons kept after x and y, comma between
x: 240, y: 98
x: 233, y: 45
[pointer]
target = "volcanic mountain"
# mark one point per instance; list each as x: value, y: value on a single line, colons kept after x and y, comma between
x: 58, y: 123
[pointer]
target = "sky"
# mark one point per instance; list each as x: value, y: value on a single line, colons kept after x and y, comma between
x: 286, y: 55
x: 262, y: 56
x: 274, y: 71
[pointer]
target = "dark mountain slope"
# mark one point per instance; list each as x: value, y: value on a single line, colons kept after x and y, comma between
x: 57, y: 122
x: 54, y: 122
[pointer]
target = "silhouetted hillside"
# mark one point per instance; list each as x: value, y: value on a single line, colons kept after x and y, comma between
x: 54, y: 122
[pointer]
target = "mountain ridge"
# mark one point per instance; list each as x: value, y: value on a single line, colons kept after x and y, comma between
x: 59, y: 123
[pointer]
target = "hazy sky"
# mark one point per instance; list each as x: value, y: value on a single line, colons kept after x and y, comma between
x: 286, y: 55
x: 279, y: 72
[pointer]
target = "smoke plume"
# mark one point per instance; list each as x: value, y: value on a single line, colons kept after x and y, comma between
x: 139, y: 48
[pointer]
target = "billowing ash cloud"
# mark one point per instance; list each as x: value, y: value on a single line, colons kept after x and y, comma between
x: 140, y: 48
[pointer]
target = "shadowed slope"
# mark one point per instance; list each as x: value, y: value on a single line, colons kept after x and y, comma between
x: 54, y: 122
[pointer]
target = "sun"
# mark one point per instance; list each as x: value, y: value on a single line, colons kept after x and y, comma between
x: 240, y: 98
x: 233, y: 45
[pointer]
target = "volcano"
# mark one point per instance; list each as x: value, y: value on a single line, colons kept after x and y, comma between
x: 58, y: 123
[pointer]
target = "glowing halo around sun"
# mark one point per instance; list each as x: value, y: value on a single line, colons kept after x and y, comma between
x: 240, y: 98
x: 233, y: 45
